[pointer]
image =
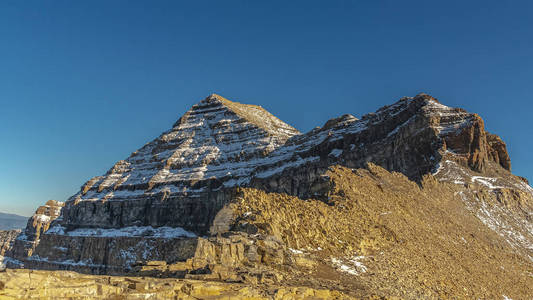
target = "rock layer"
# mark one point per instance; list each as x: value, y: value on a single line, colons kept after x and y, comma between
x: 27, y: 241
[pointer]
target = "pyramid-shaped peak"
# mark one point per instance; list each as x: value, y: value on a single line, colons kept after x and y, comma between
x: 216, y: 139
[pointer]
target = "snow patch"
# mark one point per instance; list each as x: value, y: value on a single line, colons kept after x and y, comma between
x: 70, y: 262
x: 497, y: 219
x: 393, y: 132
x: 352, y: 266
x: 335, y: 152
x: 486, y: 181
x: 300, y: 161
x: 42, y: 218
x: 4, y: 260
x: 296, y: 251
x: 132, y: 231
x: 438, y: 169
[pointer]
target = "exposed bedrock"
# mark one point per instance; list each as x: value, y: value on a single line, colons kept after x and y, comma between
x: 194, y: 213
x: 171, y: 195
x: 7, y: 237
x: 182, y: 178
x: 410, y: 136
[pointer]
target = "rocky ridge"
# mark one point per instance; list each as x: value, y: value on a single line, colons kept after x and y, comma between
x: 231, y: 193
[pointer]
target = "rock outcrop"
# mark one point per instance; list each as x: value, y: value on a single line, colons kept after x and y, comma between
x: 415, y: 200
x: 28, y: 240
x: 29, y: 284
x: 6, y: 240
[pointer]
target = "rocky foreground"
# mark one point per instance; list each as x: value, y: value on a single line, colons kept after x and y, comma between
x: 415, y: 201
x: 31, y: 284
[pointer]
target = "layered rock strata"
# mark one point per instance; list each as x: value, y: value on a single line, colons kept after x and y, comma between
x: 27, y: 241
x: 182, y: 178
x: 232, y: 193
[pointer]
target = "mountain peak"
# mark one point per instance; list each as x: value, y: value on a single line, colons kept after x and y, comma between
x: 232, y: 178
x: 217, y: 138
x: 227, y: 169
x: 425, y: 96
x: 254, y: 114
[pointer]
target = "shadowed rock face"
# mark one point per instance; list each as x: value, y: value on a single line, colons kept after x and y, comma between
x: 410, y: 136
x: 186, y: 199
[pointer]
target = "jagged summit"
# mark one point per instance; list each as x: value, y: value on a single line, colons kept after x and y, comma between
x: 251, y: 113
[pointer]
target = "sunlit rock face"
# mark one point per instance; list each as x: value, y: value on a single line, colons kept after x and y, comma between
x: 26, y: 242
x: 232, y: 193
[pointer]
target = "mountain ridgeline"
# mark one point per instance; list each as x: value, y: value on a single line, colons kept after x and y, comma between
x: 416, y: 200
x: 12, y: 221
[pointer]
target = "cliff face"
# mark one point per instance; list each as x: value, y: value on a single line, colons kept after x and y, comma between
x: 410, y: 136
x: 178, y: 179
x: 414, y: 198
x: 26, y: 242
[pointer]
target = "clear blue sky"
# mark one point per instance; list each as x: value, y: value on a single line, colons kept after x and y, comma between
x: 85, y: 83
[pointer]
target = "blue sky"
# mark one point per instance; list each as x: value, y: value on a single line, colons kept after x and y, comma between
x: 85, y: 83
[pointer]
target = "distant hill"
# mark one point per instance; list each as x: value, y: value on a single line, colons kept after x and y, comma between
x: 11, y: 221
